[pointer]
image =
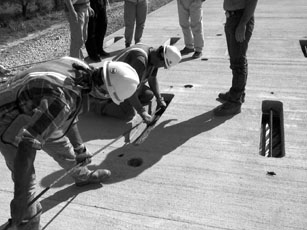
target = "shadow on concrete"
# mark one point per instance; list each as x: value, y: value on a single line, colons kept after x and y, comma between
x: 188, y: 58
x: 94, y: 127
x: 65, y: 195
x: 162, y: 140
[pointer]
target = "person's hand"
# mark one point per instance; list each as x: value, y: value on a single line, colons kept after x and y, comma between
x: 146, y: 117
x: 240, y: 33
x: 91, y: 12
x: 83, y: 156
x: 161, y: 103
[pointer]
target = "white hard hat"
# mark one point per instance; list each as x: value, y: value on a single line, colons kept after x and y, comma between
x: 171, y: 55
x: 120, y: 79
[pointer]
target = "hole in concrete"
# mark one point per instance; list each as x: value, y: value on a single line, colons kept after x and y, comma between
x: 204, y: 59
x: 135, y: 162
x: 188, y: 86
x: 219, y: 34
x: 272, y: 92
x: 303, y: 44
x: 272, y: 143
x: 270, y: 173
x: 121, y: 155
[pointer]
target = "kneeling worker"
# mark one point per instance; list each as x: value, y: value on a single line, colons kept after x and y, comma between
x: 39, y: 109
x: 146, y: 60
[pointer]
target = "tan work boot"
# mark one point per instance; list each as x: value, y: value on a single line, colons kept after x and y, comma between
x: 94, y: 177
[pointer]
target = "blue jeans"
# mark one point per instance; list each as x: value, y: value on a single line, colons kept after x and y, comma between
x: 237, y: 53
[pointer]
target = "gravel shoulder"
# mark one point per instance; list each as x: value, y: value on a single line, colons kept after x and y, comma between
x: 53, y: 42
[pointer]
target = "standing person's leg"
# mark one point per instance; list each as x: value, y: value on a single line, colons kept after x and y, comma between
x: 78, y: 31
x: 90, y: 43
x: 33, y: 212
x: 129, y: 18
x: 102, y: 21
x: 237, y: 53
x: 184, y: 22
x: 84, y: 25
x: 141, y: 14
x: 197, y: 27
x: 238, y: 64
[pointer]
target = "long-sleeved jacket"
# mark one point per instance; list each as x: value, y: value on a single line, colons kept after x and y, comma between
x: 47, y: 93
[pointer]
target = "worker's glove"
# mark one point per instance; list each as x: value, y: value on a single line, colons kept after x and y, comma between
x: 83, y: 156
x: 146, y: 117
x: 161, y: 103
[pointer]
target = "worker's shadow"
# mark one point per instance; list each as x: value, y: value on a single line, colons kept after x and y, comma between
x: 129, y: 161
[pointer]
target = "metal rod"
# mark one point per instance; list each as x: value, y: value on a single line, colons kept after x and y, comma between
x: 80, y: 164
x: 271, y: 133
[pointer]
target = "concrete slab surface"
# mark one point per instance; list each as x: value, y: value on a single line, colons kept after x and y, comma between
x: 198, y: 171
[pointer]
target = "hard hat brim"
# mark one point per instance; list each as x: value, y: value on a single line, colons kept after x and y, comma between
x: 108, y: 83
x: 164, y: 53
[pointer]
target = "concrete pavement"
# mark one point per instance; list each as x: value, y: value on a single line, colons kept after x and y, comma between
x: 197, y: 171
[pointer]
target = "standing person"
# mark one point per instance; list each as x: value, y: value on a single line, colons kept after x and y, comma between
x: 190, y: 14
x: 135, y: 12
x: 146, y: 60
x: 38, y: 110
x: 78, y: 12
x: 97, y: 27
x: 238, y: 29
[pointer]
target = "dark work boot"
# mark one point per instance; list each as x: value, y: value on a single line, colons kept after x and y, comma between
x: 228, y: 97
x: 186, y: 50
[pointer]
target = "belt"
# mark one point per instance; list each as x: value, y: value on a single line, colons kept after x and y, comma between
x: 230, y: 13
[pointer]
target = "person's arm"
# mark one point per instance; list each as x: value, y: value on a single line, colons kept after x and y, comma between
x: 71, y: 9
x: 135, y: 103
x: 249, y: 11
x: 74, y: 136
x: 139, y: 64
x: 154, y: 86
